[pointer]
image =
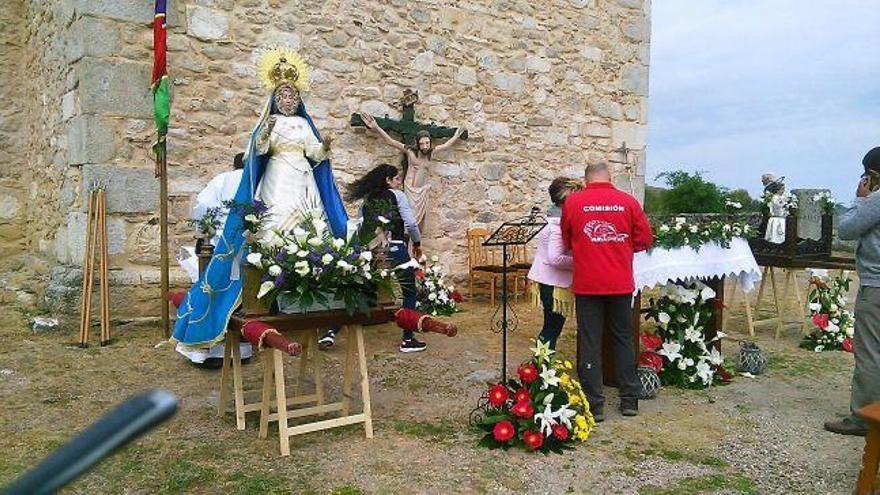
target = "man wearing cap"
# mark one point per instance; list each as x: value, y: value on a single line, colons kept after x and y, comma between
x: 861, y: 222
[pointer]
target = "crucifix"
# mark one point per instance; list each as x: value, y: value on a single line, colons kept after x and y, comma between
x: 417, y: 147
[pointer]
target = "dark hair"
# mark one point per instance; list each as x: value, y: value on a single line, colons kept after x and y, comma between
x: 871, y: 161
x: 415, y: 145
x: 560, y: 188
x: 238, y: 161
x: 375, y: 181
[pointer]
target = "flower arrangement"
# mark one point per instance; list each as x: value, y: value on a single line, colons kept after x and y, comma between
x: 679, y: 351
x: 685, y: 233
x: 546, y: 410
x: 834, y: 323
x: 789, y: 200
x: 435, y: 297
x: 310, y: 266
x: 209, y: 223
x: 254, y: 215
x: 826, y: 201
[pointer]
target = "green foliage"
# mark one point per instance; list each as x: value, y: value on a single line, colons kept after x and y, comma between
x: 691, y: 193
x: 743, y: 197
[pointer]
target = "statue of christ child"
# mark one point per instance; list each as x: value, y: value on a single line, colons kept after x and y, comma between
x: 418, y: 156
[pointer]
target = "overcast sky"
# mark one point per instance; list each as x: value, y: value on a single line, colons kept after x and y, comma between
x: 743, y: 87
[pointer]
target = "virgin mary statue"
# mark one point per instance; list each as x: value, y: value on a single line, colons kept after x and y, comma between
x: 287, y: 168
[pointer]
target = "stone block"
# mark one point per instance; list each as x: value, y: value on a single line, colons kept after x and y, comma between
x: 634, y: 79
x: 129, y: 190
x: 538, y: 64
x: 68, y: 105
x: 207, y: 24
x: 637, y: 29
x: 508, y: 82
x: 631, y: 133
x: 89, y: 140
x: 591, y: 53
x: 497, y: 193
x: 9, y: 206
x: 596, y: 130
x: 466, y: 76
x: 607, y: 108
x: 114, y: 87
x: 424, y: 62
x: 76, y: 235
x: 493, y: 171
x: 91, y: 37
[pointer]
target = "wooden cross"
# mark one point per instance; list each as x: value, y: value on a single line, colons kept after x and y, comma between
x: 407, y: 126
x: 624, y: 150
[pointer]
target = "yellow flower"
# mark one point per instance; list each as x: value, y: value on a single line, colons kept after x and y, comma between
x: 564, y: 380
x: 580, y: 421
x: 567, y: 364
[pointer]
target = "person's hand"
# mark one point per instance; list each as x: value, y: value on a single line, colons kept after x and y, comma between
x: 272, y: 119
x: 864, y: 188
x: 458, y: 132
x: 417, y: 252
x: 369, y: 121
x: 327, y: 141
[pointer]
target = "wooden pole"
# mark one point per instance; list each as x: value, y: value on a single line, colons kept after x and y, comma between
x: 105, y: 271
x: 85, y: 306
x: 162, y: 172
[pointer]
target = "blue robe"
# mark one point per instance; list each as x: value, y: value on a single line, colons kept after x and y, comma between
x: 204, y: 314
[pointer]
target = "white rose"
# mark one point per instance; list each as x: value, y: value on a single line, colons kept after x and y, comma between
x: 383, y: 273
x: 681, y: 365
x: 368, y: 275
x: 833, y: 307
x: 327, y: 259
x: 274, y: 270
x: 850, y: 331
x: 367, y: 255
x: 344, y: 265
x: 302, y: 271
x: 300, y: 234
x: 694, y: 229
x: 432, y: 297
x: 255, y: 259
x: 338, y: 243
x: 814, y: 306
x: 664, y: 228
x: 302, y: 253
x: 265, y: 287
x: 664, y: 318
x: 320, y: 225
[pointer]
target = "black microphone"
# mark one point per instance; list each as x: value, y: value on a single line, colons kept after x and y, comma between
x: 130, y: 420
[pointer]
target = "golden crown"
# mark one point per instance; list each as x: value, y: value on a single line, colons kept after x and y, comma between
x: 277, y: 66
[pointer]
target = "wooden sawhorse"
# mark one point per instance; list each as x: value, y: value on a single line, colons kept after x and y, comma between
x: 304, y: 328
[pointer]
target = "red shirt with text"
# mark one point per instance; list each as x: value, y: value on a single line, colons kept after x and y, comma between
x: 603, y: 227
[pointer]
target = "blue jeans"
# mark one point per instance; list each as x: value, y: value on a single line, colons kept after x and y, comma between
x: 399, y: 254
x: 553, y: 322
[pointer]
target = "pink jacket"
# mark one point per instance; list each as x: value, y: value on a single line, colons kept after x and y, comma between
x: 552, y: 263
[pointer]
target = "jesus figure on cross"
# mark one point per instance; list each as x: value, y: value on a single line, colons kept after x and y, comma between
x: 418, y: 157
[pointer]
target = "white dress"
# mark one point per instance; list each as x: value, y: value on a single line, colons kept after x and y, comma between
x: 776, y: 224
x: 288, y: 186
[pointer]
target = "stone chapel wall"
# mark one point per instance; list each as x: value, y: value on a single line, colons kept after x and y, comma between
x: 543, y: 87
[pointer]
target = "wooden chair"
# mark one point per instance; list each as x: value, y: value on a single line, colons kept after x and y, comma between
x: 520, y: 266
x: 868, y: 475
x: 483, y: 262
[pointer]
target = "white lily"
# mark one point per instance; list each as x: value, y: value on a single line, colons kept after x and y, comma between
x: 707, y: 293
x: 542, y: 351
x: 704, y: 371
x: 546, y: 420
x: 548, y: 377
x: 315, y: 242
x: 672, y: 351
x: 300, y: 234
x: 320, y: 225
x: 715, y: 357
x: 664, y: 318
x: 564, y: 415
x: 693, y: 335
x: 338, y: 243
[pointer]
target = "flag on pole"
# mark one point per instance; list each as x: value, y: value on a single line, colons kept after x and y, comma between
x: 159, y: 82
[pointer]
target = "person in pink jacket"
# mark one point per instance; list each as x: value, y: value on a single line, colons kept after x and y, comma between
x: 551, y: 267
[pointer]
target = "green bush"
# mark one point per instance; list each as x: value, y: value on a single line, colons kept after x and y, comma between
x: 691, y: 193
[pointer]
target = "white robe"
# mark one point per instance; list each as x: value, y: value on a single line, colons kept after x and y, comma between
x: 288, y: 186
x: 776, y: 224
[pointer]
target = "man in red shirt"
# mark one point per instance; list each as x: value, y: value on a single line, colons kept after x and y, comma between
x: 603, y: 227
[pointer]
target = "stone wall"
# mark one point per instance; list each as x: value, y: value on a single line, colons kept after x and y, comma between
x: 543, y: 88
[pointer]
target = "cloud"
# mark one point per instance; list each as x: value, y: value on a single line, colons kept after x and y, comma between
x: 742, y: 87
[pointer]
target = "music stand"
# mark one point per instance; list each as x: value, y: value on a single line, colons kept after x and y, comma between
x: 515, y: 233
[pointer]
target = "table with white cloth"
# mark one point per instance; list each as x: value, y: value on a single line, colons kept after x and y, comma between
x: 711, y: 264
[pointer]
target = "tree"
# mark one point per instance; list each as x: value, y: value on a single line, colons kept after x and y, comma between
x: 691, y: 193
x: 743, y: 197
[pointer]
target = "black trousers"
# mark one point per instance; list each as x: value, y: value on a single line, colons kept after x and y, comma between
x: 592, y: 313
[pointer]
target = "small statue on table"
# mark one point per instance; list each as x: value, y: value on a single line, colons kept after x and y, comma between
x: 778, y: 204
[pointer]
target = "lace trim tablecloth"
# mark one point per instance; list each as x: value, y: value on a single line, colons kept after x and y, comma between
x: 661, y: 266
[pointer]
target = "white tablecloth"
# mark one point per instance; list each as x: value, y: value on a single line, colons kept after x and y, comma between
x: 661, y: 266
